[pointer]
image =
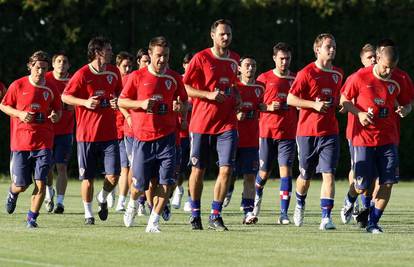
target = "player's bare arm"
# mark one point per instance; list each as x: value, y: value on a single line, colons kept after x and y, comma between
x: 295, y: 101
x: 90, y: 103
x: 214, y: 96
x: 24, y: 116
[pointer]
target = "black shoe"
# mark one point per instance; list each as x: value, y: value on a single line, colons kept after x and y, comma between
x: 196, y: 223
x: 11, y: 203
x: 59, y: 209
x: 362, y: 218
x: 217, y: 224
x: 90, y: 221
x: 103, y: 211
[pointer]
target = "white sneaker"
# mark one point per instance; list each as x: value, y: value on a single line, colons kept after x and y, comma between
x: 346, y: 212
x: 141, y: 210
x: 250, y: 218
x: 110, y: 199
x: 177, y: 196
x: 187, y: 206
x: 327, y: 224
x: 153, y: 228
x: 129, y: 216
x: 298, y: 215
x: 257, y: 205
x: 283, y: 219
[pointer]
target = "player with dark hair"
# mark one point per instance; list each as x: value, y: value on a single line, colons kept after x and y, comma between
x: 93, y: 90
x: 33, y: 105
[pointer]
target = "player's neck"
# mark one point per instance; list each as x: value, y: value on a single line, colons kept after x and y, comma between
x: 40, y: 82
x: 98, y: 65
x: 220, y: 52
x: 324, y: 64
x: 246, y: 80
x: 376, y: 73
x: 280, y: 73
x: 60, y: 75
x: 151, y: 69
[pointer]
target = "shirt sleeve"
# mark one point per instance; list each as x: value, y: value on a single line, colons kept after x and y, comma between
x: 74, y: 85
x: 130, y: 89
x: 10, y: 98
x: 194, y: 75
x: 406, y: 94
x: 300, y: 85
x: 181, y: 92
x: 350, y: 89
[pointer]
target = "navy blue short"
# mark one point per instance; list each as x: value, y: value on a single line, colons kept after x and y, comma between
x: 247, y: 161
x: 373, y: 162
x: 62, y: 148
x: 185, y: 153
x: 226, y: 148
x: 27, y: 164
x: 154, y: 159
x: 269, y: 148
x: 123, y: 156
x: 317, y: 154
x: 129, y: 143
x: 89, y: 153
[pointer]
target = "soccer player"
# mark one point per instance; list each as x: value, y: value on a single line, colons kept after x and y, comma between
x: 247, y: 155
x: 351, y: 206
x: 92, y: 90
x: 316, y: 92
x: 153, y: 94
x: 124, y: 62
x: 63, y: 140
x: 210, y: 81
x: 374, y: 137
x: 33, y: 105
x: 143, y: 58
x: 277, y: 130
x: 185, y: 150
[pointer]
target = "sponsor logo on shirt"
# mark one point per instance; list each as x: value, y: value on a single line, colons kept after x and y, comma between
x: 25, y: 93
x: 248, y: 105
x: 99, y: 93
x: 379, y: 101
x: 282, y: 95
x: 35, y: 106
x: 326, y: 91
x: 224, y: 80
x: 157, y: 97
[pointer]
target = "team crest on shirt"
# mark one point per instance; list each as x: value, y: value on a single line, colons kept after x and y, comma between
x: 168, y: 84
x: 257, y: 91
x: 234, y: 67
x: 379, y: 101
x: 45, y: 95
x: 326, y: 91
x: 391, y: 88
x: 335, y: 78
x: 35, y: 106
x: 81, y: 171
x: 109, y: 78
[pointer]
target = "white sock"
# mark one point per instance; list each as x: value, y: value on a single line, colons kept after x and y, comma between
x: 88, y: 209
x: 121, y: 200
x: 60, y: 198
x: 102, y: 196
x: 133, y: 203
x: 154, y: 218
x: 49, y: 192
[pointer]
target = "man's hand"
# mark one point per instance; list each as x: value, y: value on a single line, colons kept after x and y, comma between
x: 403, y: 110
x: 54, y: 116
x: 216, y: 96
x: 92, y: 102
x: 178, y: 105
x: 241, y: 116
x: 274, y: 106
x: 147, y: 104
x: 26, y: 117
x: 321, y: 106
x: 366, y: 118
x: 114, y: 103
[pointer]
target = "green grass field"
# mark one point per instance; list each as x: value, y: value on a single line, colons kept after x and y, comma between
x: 63, y: 240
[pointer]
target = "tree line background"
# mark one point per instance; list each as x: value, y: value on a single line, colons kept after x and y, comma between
x: 30, y: 25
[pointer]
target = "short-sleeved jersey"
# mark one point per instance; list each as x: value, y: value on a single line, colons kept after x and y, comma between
x: 315, y: 83
x: 278, y: 124
x: 185, y: 133
x: 127, y: 130
x: 350, y: 116
x: 24, y: 95
x: 99, y: 124
x: 119, y: 117
x: 374, y: 94
x: 160, y: 121
x: 209, y: 72
x: 252, y: 96
x: 66, y: 123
